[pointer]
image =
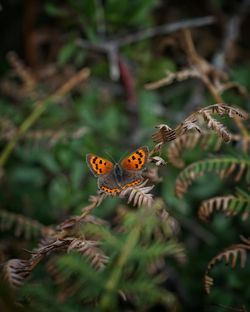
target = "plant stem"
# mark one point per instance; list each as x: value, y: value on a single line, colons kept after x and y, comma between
x: 107, y: 299
x: 40, y: 107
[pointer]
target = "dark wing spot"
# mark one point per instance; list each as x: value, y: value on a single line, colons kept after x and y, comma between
x: 141, y: 155
x: 100, y: 161
x: 94, y: 160
x: 140, y: 162
x: 100, y: 170
x: 129, y: 160
x: 105, y: 163
x: 133, y: 157
x: 136, y: 166
x: 96, y: 167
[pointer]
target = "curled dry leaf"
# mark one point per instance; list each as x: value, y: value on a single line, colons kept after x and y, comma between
x: 15, y: 272
x: 230, y: 205
x: 230, y: 255
x: 158, y: 160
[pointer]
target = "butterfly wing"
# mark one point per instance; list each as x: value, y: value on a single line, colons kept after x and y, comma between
x: 136, y: 160
x: 98, y: 165
x: 133, y: 165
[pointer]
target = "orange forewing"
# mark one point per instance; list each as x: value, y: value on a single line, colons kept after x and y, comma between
x: 136, y: 160
x: 99, y: 165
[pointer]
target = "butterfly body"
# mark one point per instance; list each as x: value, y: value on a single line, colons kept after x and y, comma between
x: 113, y: 178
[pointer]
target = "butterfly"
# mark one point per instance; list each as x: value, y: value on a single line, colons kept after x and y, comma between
x: 113, y: 178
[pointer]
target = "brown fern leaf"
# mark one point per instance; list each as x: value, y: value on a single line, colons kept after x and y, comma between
x: 22, y: 71
x: 166, y: 219
x: 190, y: 140
x: 208, y: 207
x: 230, y: 205
x: 23, y: 226
x: 164, y: 134
x: 73, y: 222
x: 223, y: 109
x: 139, y: 195
x: 15, y: 272
x: 230, y: 255
x: 217, y: 126
x: 90, y: 250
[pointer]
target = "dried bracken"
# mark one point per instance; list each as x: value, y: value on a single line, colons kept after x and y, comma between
x: 216, y: 80
x: 22, y: 226
x: 90, y: 250
x: 139, y: 195
x: 231, y: 255
x: 224, y: 167
x: 230, y: 205
x: 24, y: 73
x: 15, y: 271
x: 206, y: 140
x: 166, y: 134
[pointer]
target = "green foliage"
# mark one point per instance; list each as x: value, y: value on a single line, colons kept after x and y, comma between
x: 46, y: 180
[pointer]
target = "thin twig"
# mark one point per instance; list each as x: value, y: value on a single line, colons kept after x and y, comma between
x: 199, y: 63
x: 111, y: 47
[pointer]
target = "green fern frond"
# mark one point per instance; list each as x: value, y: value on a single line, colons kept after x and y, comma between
x: 224, y: 167
x: 230, y: 205
x: 158, y: 250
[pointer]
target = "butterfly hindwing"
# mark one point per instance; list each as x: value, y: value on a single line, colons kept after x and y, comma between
x: 136, y: 160
x: 108, y: 184
x: 131, y: 178
x: 98, y: 165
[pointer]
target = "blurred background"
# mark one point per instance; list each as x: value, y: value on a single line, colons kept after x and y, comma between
x: 86, y: 63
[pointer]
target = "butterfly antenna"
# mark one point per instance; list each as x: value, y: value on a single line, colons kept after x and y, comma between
x: 126, y: 152
x: 106, y: 152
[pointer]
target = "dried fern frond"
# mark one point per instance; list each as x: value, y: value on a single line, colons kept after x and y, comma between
x: 24, y: 73
x: 139, y: 195
x: 190, y: 140
x: 217, y: 126
x: 166, y: 219
x: 224, y: 109
x: 69, y: 224
x: 205, y: 140
x: 15, y: 272
x: 230, y: 205
x: 90, y: 250
x: 230, y: 255
x: 224, y: 167
x: 166, y: 134
x: 22, y: 226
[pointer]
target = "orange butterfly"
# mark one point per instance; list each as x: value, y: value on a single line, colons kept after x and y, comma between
x: 113, y: 178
